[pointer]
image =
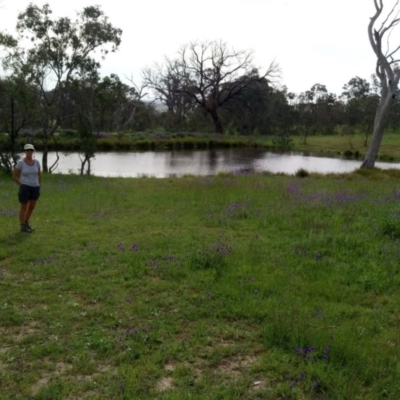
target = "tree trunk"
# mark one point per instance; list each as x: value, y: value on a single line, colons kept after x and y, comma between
x: 45, y: 166
x: 381, y: 121
x: 216, y: 120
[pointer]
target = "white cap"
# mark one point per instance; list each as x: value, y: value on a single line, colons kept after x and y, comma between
x: 29, y: 147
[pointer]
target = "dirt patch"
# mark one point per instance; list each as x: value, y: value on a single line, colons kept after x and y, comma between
x: 42, y: 382
x: 164, y: 384
x: 235, y: 366
x: 169, y: 367
x: 28, y: 330
x: 62, y: 368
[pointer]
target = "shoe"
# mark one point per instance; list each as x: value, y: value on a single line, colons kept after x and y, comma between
x: 25, y: 228
x: 28, y: 226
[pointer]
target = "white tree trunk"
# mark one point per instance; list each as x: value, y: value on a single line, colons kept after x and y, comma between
x: 381, y: 121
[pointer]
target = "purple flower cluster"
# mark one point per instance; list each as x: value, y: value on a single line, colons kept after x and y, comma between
x: 136, y: 332
x: 238, y: 210
x: 396, y: 194
x: 330, y: 199
x: 133, y: 247
x: 43, y: 261
x: 212, y: 256
x: 9, y: 213
x: 311, y: 353
x: 299, y: 250
x: 324, y: 198
x: 221, y: 248
x: 294, y: 191
x: 169, y: 258
x: 295, y: 381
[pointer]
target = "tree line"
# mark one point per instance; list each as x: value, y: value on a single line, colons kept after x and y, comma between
x: 53, y: 83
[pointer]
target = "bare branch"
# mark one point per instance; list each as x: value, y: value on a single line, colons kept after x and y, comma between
x: 384, y: 23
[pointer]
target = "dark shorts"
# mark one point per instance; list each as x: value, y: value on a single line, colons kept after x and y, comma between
x: 27, y: 193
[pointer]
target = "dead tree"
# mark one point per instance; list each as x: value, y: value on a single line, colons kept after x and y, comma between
x: 387, y: 71
x: 211, y: 75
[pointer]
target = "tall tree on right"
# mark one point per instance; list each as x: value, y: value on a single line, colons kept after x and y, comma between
x: 387, y: 71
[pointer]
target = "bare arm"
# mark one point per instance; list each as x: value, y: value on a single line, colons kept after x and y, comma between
x: 16, y: 175
x: 40, y: 177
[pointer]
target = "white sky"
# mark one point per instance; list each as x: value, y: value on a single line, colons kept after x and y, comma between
x: 313, y: 41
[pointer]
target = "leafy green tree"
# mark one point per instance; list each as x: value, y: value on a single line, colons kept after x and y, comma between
x: 259, y: 109
x: 247, y: 112
x: 113, y: 103
x: 62, y: 49
x: 360, y: 106
x: 17, y: 112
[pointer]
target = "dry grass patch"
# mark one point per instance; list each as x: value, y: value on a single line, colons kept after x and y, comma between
x: 164, y: 384
x: 62, y: 369
x: 235, y: 366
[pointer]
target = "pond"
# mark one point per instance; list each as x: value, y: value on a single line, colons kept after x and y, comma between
x: 162, y: 164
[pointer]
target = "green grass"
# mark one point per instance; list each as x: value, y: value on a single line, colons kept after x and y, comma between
x: 330, y: 145
x: 225, y: 287
x: 340, y: 144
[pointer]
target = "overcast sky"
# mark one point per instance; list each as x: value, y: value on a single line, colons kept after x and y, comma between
x: 313, y: 41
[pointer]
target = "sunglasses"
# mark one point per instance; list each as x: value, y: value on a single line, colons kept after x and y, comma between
x: 29, y: 150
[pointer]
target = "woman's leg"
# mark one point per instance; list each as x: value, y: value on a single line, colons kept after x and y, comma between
x: 28, y: 212
x: 22, y: 212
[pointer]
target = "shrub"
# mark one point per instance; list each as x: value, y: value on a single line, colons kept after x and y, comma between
x: 302, y: 173
x: 69, y: 133
x: 283, y: 142
x: 348, y: 153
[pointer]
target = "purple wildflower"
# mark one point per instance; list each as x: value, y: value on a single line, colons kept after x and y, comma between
x: 315, y: 383
x: 135, y: 247
x: 121, y: 246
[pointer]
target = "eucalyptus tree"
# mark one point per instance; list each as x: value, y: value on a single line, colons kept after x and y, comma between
x: 260, y: 109
x: 315, y: 111
x: 360, y: 105
x: 61, y: 50
x: 17, y: 112
x: 380, y: 28
x: 249, y: 112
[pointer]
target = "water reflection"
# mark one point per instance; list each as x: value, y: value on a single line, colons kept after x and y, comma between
x: 204, y: 162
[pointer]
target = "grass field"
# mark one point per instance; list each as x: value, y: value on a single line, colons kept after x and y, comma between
x: 225, y: 287
x: 337, y: 144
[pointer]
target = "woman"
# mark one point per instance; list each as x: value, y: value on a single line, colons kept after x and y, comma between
x: 28, y: 176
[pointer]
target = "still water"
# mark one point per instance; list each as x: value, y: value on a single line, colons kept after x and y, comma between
x: 162, y: 164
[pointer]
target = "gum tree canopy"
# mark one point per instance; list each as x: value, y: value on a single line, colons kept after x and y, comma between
x: 387, y: 70
x: 60, y: 50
